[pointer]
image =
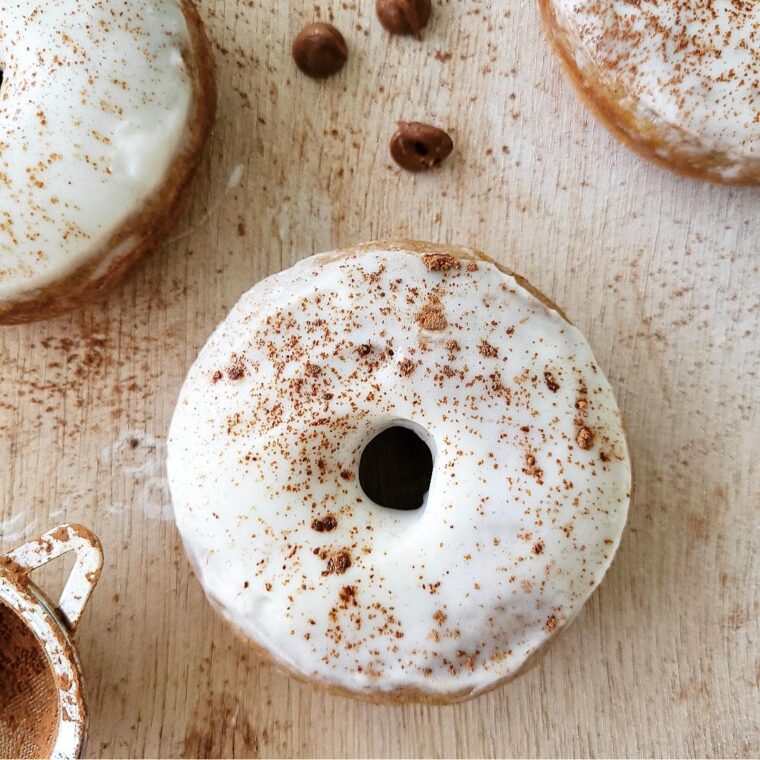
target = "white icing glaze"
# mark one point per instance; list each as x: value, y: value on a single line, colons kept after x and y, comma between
x: 691, y: 64
x: 519, y: 525
x: 93, y: 109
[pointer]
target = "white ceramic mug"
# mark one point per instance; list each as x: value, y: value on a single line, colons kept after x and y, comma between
x: 53, y: 626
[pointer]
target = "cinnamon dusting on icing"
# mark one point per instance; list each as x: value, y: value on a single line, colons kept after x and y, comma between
x: 281, y: 456
x: 687, y: 70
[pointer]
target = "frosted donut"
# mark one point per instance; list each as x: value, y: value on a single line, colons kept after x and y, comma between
x: 104, y: 107
x: 677, y: 81
x: 525, y: 508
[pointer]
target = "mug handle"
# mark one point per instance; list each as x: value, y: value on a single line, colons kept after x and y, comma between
x: 84, y: 575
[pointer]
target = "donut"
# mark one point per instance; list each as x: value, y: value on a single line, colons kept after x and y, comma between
x: 526, y: 500
x: 104, y: 109
x: 677, y: 81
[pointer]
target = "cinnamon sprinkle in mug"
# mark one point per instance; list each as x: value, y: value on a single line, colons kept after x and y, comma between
x: 42, y: 706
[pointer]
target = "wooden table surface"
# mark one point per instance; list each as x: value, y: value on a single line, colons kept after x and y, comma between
x: 660, y: 272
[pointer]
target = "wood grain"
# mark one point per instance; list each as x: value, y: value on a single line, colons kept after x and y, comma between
x: 660, y: 272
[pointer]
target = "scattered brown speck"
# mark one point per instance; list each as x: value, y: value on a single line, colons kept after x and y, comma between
x: 432, y: 316
x: 338, y: 563
x: 406, y: 367
x: 585, y: 437
x: 486, y: 349
x: 236, y: 370
x: 441, y: 262
x: 551, y: 383
x: 324, y: 524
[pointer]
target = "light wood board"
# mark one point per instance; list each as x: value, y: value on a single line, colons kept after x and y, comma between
x: 660, y: 272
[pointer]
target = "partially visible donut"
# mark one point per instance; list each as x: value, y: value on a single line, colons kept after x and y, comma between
x: 677, y: 81
x: 104, y: 108
x: 529, y: 490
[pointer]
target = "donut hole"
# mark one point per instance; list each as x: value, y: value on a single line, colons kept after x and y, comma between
x: 395, y: 469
